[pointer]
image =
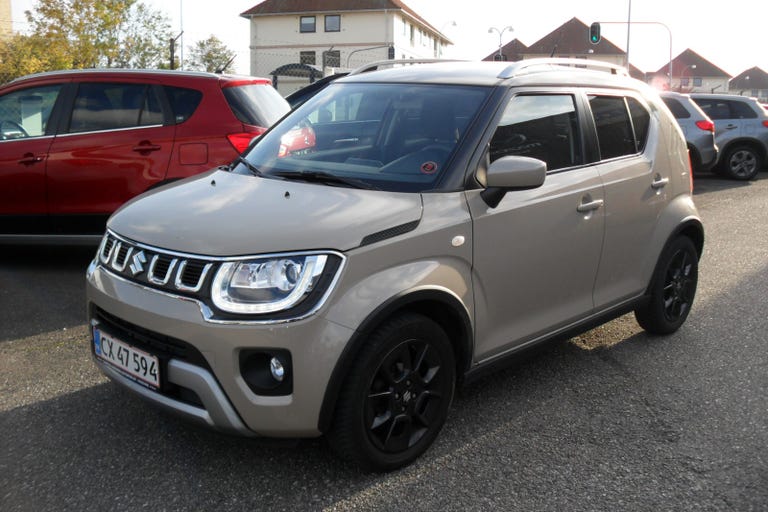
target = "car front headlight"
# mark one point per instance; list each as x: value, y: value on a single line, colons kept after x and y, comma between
x: 266, y: 285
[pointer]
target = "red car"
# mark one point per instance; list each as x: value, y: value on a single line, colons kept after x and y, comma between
x: 75, y: 145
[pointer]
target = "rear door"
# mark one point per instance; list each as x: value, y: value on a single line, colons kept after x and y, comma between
x: 115, y: 145
x: 25, y: 137
x: 536, y: 254
x: 728, y: 117
x: 636, y: 190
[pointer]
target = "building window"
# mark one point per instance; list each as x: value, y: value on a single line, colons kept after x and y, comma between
x: 697, y: 81
x: 332, y: 59
x: 333, y: 23
x: 684, y: 82
x: 307, y: 24
x: 413, y: 35
x: 307, y: 57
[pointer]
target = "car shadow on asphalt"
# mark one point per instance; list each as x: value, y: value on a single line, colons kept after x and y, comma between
x: 43, y: 288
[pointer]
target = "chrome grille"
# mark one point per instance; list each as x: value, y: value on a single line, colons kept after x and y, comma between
x: 154, y: 267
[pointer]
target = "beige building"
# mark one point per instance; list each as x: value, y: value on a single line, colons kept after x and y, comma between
x: 295, y: 42
x: 6, y: 24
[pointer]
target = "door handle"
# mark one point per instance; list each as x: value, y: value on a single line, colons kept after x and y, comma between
x: 146, y: 147
x: 588, y: 206
x: 731, y: 126
x: 30, y: 159
x: 659, y: 182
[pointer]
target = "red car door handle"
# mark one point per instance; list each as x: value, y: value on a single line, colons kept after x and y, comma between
x: 146, y: 147
x: 30, y: 159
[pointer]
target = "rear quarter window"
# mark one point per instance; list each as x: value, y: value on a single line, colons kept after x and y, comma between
x: 677, y: 109
x: 183, y: 102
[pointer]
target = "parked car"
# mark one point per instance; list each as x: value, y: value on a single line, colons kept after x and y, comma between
x: 445, y: 218
x: 698, y: 129
x: 75, y: 145
x: 741, y: 132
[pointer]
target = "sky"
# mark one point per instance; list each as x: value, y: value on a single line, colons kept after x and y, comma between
x: 730, y: 34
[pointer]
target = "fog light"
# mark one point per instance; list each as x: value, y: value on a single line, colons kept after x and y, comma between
x: 276, y: 367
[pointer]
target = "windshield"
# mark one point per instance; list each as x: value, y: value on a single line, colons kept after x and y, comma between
x: 394, y: 137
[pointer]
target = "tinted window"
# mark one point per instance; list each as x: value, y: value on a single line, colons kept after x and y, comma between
x: 715, y: 109
x: 740, y: 110
x: 614, y: 129
x: 677, y: 109
x: 641, y: 120
x: 543, y: 127
x: 26, y: 113
x: 103, y: 106
x: 256, y: 104
x: 183, y: 102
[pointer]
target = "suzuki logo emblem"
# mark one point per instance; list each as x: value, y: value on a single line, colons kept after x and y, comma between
x: 137, y: 263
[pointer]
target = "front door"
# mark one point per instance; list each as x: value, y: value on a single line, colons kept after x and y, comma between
x: 536, y: 254
x: 25, y: 137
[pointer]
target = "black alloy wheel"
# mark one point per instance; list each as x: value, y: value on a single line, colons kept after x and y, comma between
x: 396, y: 398
x: 673, y: 289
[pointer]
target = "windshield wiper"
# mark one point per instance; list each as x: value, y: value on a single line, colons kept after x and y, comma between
x: 254, y: 170
x: 325, y: 177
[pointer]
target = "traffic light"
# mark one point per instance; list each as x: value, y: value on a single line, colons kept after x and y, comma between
x: 594, y: 33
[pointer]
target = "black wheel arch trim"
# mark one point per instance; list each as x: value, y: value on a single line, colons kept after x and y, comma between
x: 693, y: 229
x: 439, y: 305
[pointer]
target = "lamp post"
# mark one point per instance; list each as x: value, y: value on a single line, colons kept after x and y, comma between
x: 501, y: 34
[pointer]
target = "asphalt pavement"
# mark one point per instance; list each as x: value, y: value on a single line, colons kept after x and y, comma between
x: 638, y: 423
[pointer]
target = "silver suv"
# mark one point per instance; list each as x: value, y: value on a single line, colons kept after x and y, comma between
x: 741, y: 132
x: 396, y: 235
x: 698, y: 129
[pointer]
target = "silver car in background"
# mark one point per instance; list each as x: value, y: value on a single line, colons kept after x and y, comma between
x: 741, y: 133
x: 698, y: 129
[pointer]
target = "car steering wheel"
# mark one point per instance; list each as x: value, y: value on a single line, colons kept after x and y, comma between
x: 13, y: 124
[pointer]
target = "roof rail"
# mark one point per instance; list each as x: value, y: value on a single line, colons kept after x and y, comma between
x: 544, y: 64
x: 373, y: 66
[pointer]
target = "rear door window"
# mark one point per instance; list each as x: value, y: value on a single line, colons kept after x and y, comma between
x: 622, y: 125
x: 113, y: 106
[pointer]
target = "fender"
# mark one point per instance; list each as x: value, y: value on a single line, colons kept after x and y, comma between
x: 437, y: 303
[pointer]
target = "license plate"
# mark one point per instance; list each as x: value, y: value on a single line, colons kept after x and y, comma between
x: 134, y: 363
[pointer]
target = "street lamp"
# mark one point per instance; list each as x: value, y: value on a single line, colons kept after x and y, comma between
x: 501, y: 34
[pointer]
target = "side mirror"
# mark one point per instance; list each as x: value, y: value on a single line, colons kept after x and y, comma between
x: 512, y: 173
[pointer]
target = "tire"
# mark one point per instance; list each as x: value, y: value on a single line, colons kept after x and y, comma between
x: 395, y: 399
x: 742, y: 163
x: 672, y: 288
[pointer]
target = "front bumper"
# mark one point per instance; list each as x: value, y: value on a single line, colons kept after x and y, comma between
x: 221, y: 398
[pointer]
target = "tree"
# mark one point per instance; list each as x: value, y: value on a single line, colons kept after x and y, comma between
x: 75, y: 34
x: 210, y: 55
x: 23, y: 55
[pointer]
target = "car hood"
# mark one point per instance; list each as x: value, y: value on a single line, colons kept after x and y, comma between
x: 224, y: 214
